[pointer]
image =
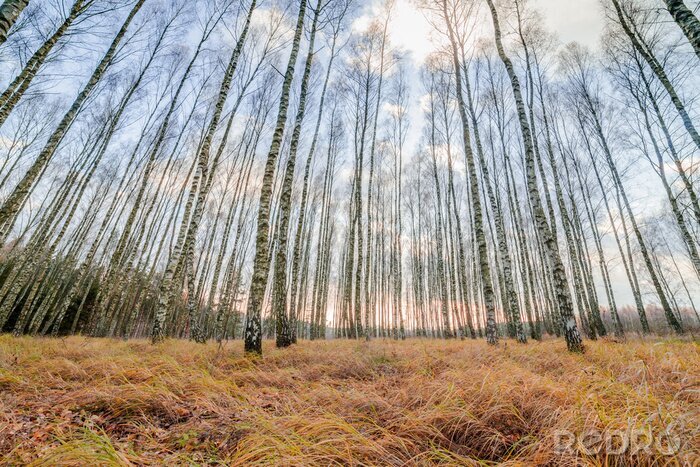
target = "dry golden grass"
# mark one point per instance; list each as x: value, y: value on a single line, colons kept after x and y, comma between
x: 81, y: 401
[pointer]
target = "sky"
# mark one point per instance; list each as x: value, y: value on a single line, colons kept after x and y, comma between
x: 571, y: 20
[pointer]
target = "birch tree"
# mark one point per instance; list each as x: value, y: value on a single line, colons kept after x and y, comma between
x: 261, y: 266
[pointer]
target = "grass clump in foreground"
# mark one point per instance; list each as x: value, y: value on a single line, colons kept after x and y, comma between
x: 80, y: 401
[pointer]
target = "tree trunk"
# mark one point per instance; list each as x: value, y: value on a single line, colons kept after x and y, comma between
x: 9, y: 12
x: 561, y: 284
x: 484, y: 267
x: 261, y: 266
x: 686, y: 20
x: 286, y: 323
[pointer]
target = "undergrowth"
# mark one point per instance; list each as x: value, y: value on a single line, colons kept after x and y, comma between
x: 80, y: 401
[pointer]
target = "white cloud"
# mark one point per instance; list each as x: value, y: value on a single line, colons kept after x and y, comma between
x: 573, y: 20
x: 409, y: 31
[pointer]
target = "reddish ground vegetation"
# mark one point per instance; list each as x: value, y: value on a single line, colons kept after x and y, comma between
x: 80, y: 401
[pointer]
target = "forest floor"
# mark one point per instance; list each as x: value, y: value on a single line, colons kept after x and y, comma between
x: 80, y: 401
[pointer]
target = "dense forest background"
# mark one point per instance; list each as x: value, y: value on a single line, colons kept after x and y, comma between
x: 223, y: 169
